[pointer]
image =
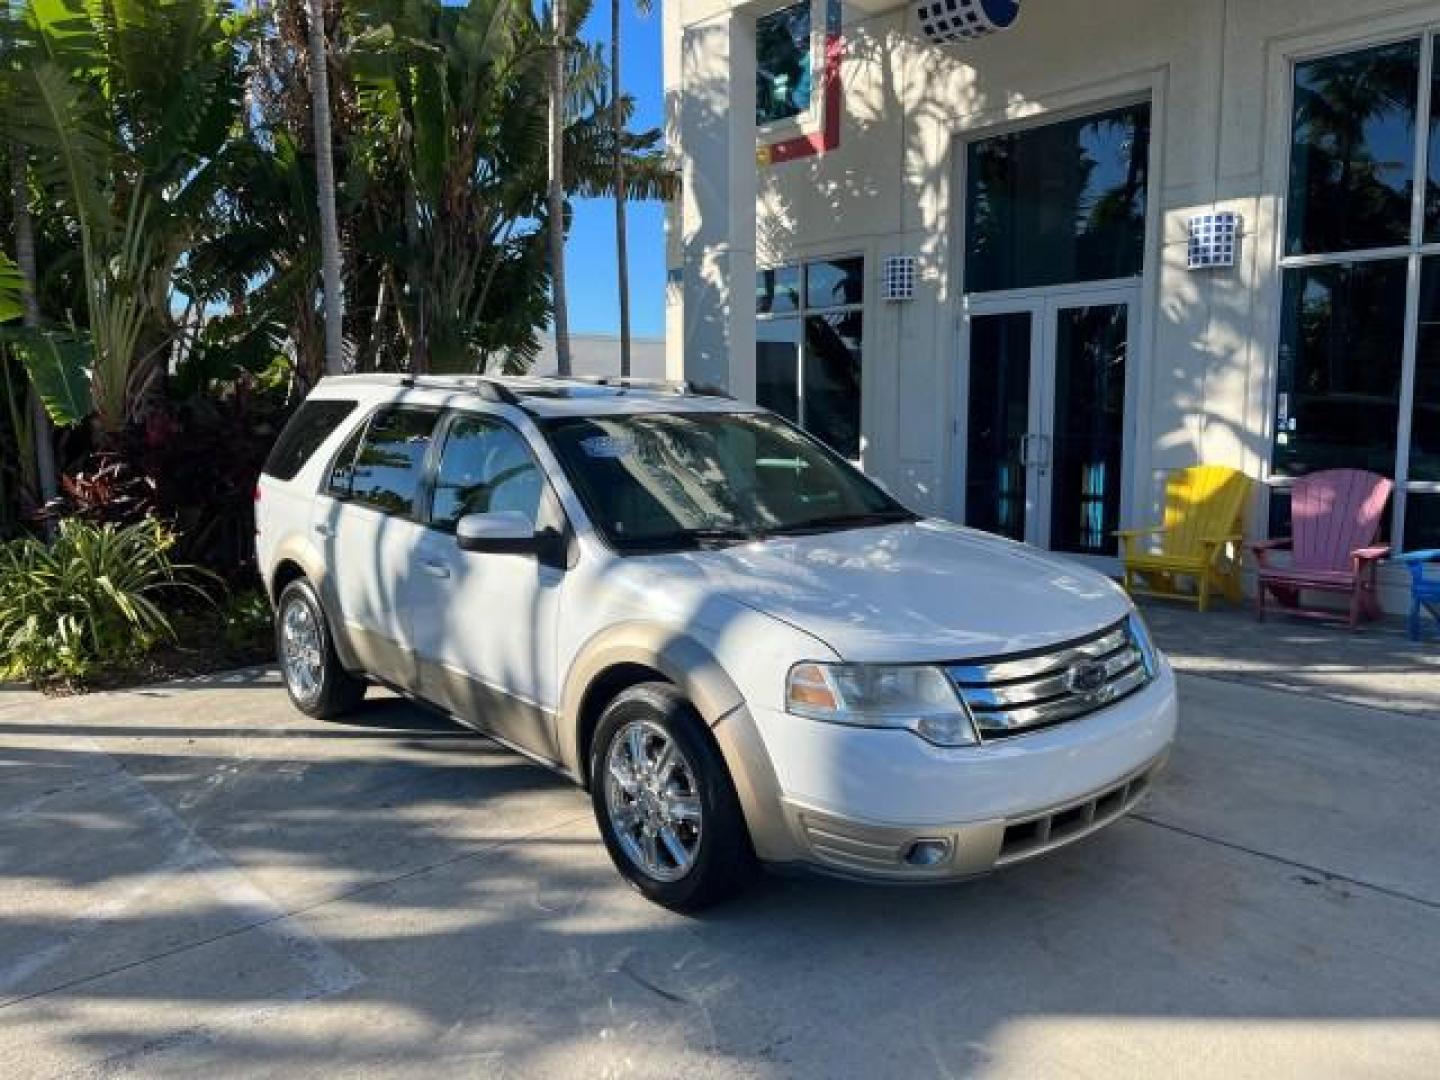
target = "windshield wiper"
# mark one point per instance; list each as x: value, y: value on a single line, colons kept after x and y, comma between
x: 844, y: 522
x: 703, y: 539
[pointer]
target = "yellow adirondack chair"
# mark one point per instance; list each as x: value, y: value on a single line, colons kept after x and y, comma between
x: 1200, y: 539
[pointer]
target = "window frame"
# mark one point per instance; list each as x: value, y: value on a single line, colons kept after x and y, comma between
x: 803, y: 311
x: 1413, y: 253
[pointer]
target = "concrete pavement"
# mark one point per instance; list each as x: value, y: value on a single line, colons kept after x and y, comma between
x: 196, y: 879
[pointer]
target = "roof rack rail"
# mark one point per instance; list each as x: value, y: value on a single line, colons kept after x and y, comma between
x: 682, y: 387
x: 489, y: 388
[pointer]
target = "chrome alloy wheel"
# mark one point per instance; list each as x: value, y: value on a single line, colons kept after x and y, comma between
x: 653, y: 801
x: 302, y: 649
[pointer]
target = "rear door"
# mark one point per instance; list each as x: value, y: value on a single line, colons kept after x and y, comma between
x: 485, y: 624
x: 368, y: 523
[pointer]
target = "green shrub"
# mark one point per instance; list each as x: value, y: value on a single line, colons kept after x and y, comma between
x: 248, y: 624
x: 87, y: 601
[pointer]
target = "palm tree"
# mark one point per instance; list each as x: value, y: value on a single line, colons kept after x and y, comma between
x: 330, y: 258
x: 556, y: 191
x: 617, y: 121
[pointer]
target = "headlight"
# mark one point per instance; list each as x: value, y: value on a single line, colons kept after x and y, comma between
x: 915, y: 698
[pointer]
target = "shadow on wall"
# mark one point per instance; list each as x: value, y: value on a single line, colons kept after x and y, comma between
x: 1214, y: 316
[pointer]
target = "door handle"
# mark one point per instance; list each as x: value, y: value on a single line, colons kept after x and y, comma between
x: 435, y: 569
x: 324, y: 530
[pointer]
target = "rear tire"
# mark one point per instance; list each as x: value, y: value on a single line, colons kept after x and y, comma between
x: 665, y: 803
x: 316, y: 681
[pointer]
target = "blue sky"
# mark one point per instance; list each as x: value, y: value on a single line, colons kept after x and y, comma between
x: 591, y: 249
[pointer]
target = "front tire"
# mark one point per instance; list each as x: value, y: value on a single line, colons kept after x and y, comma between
x: 665, y: 803
x: 316, y: 681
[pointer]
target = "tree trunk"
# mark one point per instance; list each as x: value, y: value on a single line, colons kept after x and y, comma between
x: 25, y: 258
x: 331, y: 270
x: 556, y: 210
x: 622, y: 257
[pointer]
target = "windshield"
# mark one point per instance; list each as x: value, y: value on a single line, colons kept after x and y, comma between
x: 665, y: 481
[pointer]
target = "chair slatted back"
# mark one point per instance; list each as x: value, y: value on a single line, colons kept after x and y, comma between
x: 1202, y: 502
x: 1333, y: 514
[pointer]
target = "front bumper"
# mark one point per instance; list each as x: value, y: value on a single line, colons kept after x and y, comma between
x: 858, y: 802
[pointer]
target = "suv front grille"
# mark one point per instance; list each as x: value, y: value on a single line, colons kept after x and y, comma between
x: 1016, y: 694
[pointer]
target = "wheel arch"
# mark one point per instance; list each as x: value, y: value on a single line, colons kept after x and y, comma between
x: 627, y: 655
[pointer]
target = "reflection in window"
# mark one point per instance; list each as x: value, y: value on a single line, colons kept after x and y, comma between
x: 1089, y: 427
x: 1425, y: 420
x: 808, y: 365
x: 832, y: 380
x: 835, y: 283
x: 782, y: 64
x: 777, y: 366
x: 388, y: 468
x: 1352, y: 161
x: 1341, y: 347
x: 485, y: 467
x: 998, y: 420
x: 1058, y: 204
x: 777, y: 291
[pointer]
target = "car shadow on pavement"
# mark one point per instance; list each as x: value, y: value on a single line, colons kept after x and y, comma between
x: 393, y: 894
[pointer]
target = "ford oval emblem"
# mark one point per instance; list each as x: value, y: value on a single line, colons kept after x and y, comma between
x: 1087, y: 679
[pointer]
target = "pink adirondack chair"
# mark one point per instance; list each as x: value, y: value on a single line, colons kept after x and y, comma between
x: 1335, y: 517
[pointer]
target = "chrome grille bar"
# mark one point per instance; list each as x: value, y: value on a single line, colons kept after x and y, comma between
x: 1012, y: 695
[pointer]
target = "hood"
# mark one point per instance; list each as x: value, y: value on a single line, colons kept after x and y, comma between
x: 926, y: 591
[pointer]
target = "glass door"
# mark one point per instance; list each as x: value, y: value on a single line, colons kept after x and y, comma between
x: 1085, y: 437
x: 999, y: 494
x: 1045, y: 417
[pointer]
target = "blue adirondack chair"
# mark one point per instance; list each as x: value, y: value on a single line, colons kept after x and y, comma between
x: 1424, y: 591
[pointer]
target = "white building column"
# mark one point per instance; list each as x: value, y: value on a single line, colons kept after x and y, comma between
x: 717, y: 218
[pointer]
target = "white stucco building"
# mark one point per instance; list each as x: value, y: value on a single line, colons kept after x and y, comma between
x: 1059, y: 354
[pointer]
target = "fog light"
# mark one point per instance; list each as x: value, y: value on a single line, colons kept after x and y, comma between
x: 927, y: 852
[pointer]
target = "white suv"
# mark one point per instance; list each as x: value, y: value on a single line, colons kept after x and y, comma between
x: 743, y: 648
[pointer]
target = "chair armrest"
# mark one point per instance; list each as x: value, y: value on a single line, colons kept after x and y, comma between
x: 1370, y: 554
x: 1431, y: 555
x: 1263, y: 548
x: 1416, y: 561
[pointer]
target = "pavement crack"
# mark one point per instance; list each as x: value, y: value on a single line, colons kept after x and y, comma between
x: 641, y: 980
x: 1324, y: 875
x: 291, y: 913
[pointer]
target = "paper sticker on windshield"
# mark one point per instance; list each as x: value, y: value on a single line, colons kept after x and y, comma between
x: 607, y: 446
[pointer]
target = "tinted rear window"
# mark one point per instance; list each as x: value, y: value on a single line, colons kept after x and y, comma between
x: 387, y: 471
x: 308, y: 428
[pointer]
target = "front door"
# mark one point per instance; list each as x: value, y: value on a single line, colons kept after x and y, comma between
x: 1043, y: 443
x: 485, y: 624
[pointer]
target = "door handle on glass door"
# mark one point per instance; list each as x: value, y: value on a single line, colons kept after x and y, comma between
x: 435, y: 569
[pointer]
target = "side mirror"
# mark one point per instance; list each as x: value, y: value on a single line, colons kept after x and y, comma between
x: 504, y: 532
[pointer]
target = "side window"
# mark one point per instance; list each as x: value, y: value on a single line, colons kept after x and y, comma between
x: 391, y: 462
x: 308, y: 428
x: 342, y: 470
x: 485, y: 466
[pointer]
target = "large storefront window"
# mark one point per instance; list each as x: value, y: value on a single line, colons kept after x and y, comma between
x: 782, y: 64
x: 1356, y: 387
x: 1058, y: 204
x: 808, y: 340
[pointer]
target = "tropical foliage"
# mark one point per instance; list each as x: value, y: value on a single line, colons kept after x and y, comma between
x: 161, y: 299
x: 92, y: 595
